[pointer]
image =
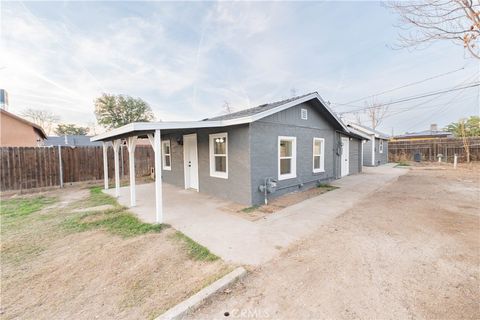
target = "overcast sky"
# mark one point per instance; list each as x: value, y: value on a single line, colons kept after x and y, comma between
x: 187, y: 59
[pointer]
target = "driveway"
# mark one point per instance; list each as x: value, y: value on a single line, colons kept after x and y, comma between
x: 238, y: 240
x: 409, y: 251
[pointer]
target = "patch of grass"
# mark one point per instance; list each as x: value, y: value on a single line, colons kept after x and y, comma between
x: 402, y: 163
x: 195, y: 250
x: 97, y: 198
x: 326, y: 186
x: 20, y: 207
x: 250, y: 209
x: 116, y: 221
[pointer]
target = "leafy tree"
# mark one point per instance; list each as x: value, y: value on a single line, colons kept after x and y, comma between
x: 71, y: 129
x: 43, y: 118
x: 113, y: 111
x: 468, y: 128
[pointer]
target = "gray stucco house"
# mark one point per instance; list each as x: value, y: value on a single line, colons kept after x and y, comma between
x: 297, y: 143
x: 375, y: 148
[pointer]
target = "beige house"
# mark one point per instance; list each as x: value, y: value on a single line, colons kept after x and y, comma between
x: 18, y: 132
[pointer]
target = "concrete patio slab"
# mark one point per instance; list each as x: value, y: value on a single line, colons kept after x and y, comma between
x: 238, y: 240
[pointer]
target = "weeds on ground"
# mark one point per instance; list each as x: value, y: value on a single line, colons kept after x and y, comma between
x: 326, y: 186
x: 250, y: 209
x: 195, y: 250
x: 116, y: 220
x: 402, y: 163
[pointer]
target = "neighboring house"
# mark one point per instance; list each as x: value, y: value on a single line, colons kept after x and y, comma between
x: 298, y: 142
x: 71, y: 141
x: 433, y: 133
x: 18, y: 132
x: 375, y: 148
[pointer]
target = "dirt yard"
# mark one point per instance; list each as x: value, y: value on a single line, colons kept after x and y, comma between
x: 76, y: 255
x: 276, y: 204
x: 411, y: 250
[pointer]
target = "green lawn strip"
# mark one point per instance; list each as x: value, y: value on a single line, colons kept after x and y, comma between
x: 117, y: 220
x: 402, y: 164
x: 96, y: 198
x: 326, y: 186
x: 195, y: 250
x: 19, y: 207
x: 250, y: 209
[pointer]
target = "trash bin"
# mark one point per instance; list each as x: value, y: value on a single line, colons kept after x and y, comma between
x: 417, y: 157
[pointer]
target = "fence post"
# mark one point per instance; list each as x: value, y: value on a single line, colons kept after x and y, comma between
x: 455, y: 161
x: 60, y: 166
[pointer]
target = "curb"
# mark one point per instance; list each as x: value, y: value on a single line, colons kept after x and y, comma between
x: 195, y: 301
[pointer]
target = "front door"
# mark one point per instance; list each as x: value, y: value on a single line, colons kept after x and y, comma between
x: 190, y: 157
x: 345, y: 156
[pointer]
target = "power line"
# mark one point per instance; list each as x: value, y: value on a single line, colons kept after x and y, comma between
x: 429, y: 94
x: 438, y: 111
x: 404, y: 86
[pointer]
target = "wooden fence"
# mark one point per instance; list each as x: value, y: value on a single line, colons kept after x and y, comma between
x: 28, y: 167
x: 428, y: 150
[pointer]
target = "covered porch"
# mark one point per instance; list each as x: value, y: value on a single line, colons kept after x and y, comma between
x: 176, y: 159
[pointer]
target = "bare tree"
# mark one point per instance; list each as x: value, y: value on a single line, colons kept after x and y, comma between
x: 43, y: 118
x: 375, y: 112
x: 358, y: 118
x: 431, y: 20
x: 226, y: 107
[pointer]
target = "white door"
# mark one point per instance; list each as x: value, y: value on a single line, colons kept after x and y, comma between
x: 190, y: 161
x: 345, y: 156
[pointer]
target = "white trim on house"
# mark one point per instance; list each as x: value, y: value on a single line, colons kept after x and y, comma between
x: 380, y: 146
x: 368, y: 131
x: 213, y: 155
x: 293, y: 157
x: 166, y: 143
x: 304, y: 114
x: 372, y: 139
x: 151, y: 126
x: 321, y: 155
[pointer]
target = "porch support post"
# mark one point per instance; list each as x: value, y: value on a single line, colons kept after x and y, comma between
x: 116, y: 147
x: 158, y: 177
x: 131, y: 143
x: 105, y: 165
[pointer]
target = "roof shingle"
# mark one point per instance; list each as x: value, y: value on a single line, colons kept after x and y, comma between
x: 252, y: 111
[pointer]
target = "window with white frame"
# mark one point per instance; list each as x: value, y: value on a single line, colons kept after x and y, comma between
x: 304, y: 114
x: 287, y: 158
x: 219, y: 155
x: 167, y: 155
x: 318, y: 155
x: 380, y: 146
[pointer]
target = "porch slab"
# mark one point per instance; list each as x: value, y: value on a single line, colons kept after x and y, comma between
x: 240, y: 241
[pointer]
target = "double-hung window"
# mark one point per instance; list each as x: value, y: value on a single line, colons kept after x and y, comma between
x: 318, y: 155
x: 219, y: 155
x: 287, y: 154
x: 167, y: 155
x: 380, y: 146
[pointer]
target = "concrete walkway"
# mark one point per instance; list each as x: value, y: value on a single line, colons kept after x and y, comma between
x: 238, y: 240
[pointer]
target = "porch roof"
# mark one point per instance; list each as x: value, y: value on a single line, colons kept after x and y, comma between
x: 141, y: 128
